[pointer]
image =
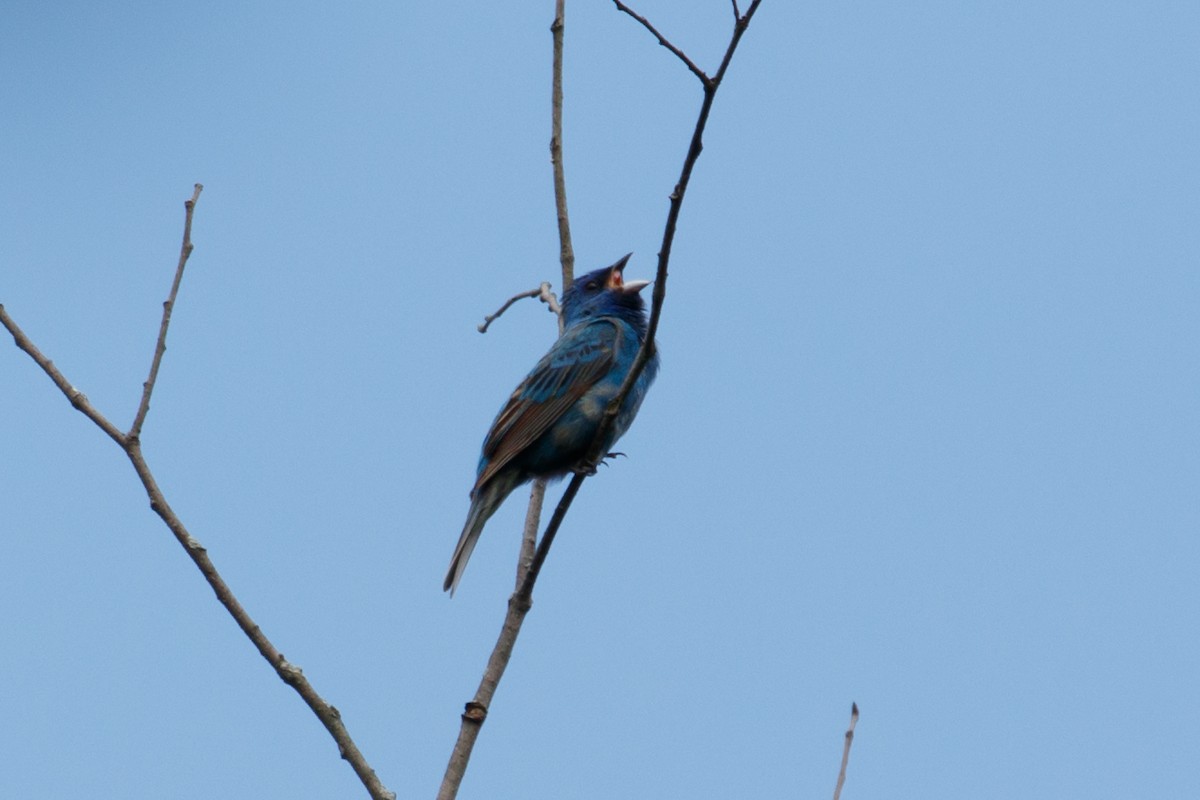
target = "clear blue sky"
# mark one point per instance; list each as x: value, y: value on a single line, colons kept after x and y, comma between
x: 926, y: 437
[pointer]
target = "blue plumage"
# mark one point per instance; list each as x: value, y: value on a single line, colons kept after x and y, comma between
x: 549, y: 422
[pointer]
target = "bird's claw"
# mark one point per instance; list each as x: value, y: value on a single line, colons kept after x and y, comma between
x: 588, y: 470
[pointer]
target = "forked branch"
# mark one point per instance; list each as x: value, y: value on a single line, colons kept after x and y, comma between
x: 522, y: 599
x: 130, y: 443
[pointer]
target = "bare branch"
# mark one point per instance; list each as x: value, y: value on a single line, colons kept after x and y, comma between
x: 130, y: 443
x: 160, y: 347
x: 76, y: 397
x: 289, y: 673
x: 488, y: 319
x: 543, y: 293
x: 566, y: 252
x: 837, y: 791
x: 476, y: 710
x: 699, y: 73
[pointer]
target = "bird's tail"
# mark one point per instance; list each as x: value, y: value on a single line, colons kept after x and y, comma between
x: 485, y: 502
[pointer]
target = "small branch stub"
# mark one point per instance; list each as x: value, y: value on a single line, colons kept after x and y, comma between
x: 475, y: 712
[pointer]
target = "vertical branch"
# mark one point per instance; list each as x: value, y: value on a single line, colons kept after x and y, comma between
x: 566, y: 253
x: 566, y: 258
x: 528, y: 563
x: 533, y: 515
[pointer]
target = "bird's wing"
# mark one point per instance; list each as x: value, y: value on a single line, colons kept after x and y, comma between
x: 577, y: 360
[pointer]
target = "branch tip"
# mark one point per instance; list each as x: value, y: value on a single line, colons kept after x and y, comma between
x: 160, y: 348
x: 841, y: 780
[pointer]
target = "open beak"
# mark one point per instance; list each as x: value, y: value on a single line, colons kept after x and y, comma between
x: 616, y: 277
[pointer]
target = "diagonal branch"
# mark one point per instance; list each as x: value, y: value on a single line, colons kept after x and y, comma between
x: 699, y: 73
x: 160, y: 347
x: 664, y: 254
x: 130, y: 443
x: 77, y: 398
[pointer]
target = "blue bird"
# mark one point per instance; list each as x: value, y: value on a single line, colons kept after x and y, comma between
x: 547, y: 426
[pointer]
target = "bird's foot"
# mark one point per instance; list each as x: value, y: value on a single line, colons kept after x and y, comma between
x: 588, y: 470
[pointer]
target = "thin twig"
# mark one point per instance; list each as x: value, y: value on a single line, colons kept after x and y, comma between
x: 542, y: 293
x: 130, y: 443
x: 837, y: 791
x: 489, y: 318
x: 160, y: 347
x: 566, y: 253
x: 699, y: 73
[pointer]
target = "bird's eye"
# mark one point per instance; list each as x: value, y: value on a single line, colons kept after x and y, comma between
x: 592, y: 286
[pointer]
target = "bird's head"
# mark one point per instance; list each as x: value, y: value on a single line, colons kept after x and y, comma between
x: 605, y: 293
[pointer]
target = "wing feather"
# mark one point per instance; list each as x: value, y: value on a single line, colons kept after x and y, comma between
x: 580, y: 358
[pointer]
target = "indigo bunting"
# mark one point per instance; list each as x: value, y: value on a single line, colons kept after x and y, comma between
x: 548, y: 424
